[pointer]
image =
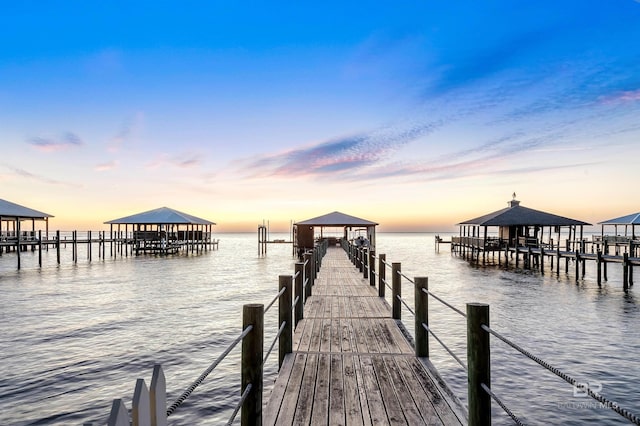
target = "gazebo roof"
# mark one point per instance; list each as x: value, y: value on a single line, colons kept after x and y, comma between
x: 515, y: 215
x: 161, y: 216
x: 9, y: 209
x: 336, y: 219
x: 630, y: 219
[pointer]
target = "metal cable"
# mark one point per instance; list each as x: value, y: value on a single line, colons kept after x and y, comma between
x: 200, y: 379
x: 296, y: 275
x: 387, y: 284
x: 515, y: 419
x: 610, y: 404
x: 242, y: 398
x: 295, y: 302
x: 405, y: 304
x: 280, y: 330
x: 408, y: 279
x: 443, y: 302
x: 426, y: 327
x: 280, y: 293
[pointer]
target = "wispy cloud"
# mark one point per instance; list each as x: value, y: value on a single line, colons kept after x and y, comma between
x: 126, y: 132
x: 22, y: 173
x: 103, y: 167
x: 66, y: 141
x: 182, y: 161
x: 340, y: 156
x: 624, y: 96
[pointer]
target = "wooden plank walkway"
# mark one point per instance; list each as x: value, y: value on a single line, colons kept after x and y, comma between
x: 352, y: 365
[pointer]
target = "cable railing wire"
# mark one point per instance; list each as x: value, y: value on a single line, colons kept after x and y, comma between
x: 405, y: 304
x: 426, y: 327
x: 444, y: 303
x: 610, y: 404
x: 295, y: 302
x: 239, y: 405
x: 280, y: 330
x: 502, y: 405
x: 200, y: 379
x: 275, y: 299
x: 296, y: 275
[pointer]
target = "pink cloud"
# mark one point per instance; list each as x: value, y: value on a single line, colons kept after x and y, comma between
x: 623, y: 97
x: 106, y: 166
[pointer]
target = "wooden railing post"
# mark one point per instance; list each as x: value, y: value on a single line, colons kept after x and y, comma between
x: 372, y: 267
x: 312, y: 275
x: 365, y: 263
x: 396, y: 290
x: 422, y: 316
x: 478, y: 364
x: 382, y: 272
x: 307, y: 275
x: 58, y: 246
x: 299, y: 292
x: 285, y: 342
x: 625, y: 271
x: 251, y: 364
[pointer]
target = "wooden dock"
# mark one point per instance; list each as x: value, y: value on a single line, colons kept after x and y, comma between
x: 351, y: 363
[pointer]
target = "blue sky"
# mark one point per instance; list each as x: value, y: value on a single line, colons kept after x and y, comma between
x: 415, y: 114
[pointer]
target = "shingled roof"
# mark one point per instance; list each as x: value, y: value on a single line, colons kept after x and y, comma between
x: 515, y: 215
x: 336, y: 219
x: 630, y: 219
x: 161, y: 216
x: 9, y: 209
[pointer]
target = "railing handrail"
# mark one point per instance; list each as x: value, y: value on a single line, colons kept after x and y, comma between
x: 485, y: 386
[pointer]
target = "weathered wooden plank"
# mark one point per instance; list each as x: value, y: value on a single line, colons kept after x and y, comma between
x: 325, y: 339
x: 372, y: 392
x: 306, y: 392
x: 411, y: 413
x: 316, y: 335
x: 354, y: 414
x: 320, y: 413
x: 420, y: 398
x: 443, y: 410
x: 346, y: 335
x: 289, y: 376
x: 337, y: 415
x: 336, y: 335
x: 389, y: 397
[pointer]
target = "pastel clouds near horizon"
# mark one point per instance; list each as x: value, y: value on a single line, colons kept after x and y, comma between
x: 415, y: 115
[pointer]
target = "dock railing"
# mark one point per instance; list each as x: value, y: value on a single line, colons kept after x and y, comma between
x: 149, y: 405
x: 478, y: 365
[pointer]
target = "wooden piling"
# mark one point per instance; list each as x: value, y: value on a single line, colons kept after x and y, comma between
x: 285, y: 342
x: 251, y: 364
x: 307, y: 275
x: 372, y: 267
x: 599, y: 267
x: 299, y: 292
x: 625, y: 271
x: 422, y: 316
x: 396, y: 290
x: 382, y: 274
x: 478, y: 364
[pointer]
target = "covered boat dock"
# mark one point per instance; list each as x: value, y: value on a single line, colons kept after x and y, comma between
x: 359, y: 231
x: 13, y: 234
x: 166, y: 231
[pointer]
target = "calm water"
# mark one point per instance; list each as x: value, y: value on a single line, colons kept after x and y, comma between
x: 74, y: 337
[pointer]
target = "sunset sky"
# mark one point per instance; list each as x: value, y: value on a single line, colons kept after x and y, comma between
x: 413, y: 114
